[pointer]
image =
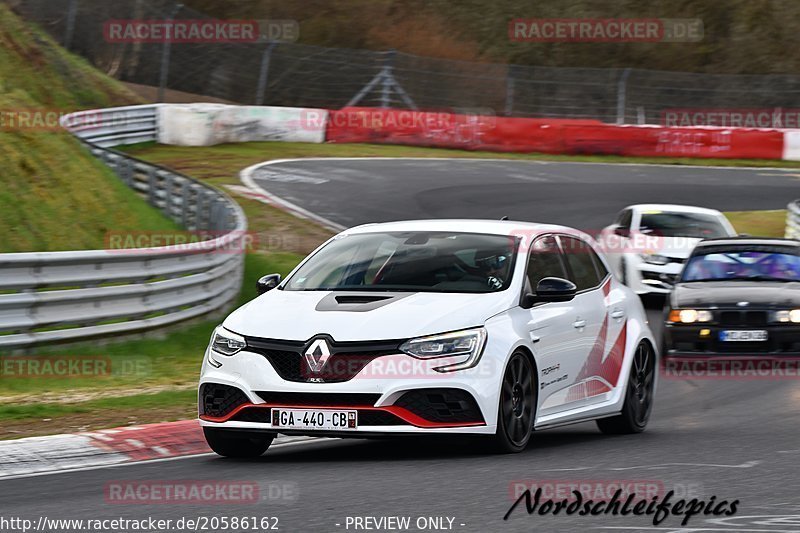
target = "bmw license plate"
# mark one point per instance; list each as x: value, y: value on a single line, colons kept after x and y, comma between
x: 314, y: 419
x: 732, y: 335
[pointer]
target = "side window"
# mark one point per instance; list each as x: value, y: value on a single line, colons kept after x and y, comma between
x: 545, y: 261
x: 625, y: 218
x: 602, y: 271
x: 581, y: 263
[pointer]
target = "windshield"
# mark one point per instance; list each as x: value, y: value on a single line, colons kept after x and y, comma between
x: 743, y: 265
x: 695, y: 225
x: 410, y: 261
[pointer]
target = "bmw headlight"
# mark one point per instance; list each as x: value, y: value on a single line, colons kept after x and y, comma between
x: 466, y: 346
x: 690, y: 316
x: 227, y: 342
x: 788, y: 316
x: 654, y: 259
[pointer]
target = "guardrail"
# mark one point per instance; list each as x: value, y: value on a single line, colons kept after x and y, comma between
x: 50, y: 297
x: 793, y: 220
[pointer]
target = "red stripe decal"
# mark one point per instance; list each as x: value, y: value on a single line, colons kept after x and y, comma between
x: 400, y: 412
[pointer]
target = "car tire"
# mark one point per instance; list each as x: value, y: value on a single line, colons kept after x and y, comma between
x: 638, y: 395
x: 516, y: 411
x: 227, y: 444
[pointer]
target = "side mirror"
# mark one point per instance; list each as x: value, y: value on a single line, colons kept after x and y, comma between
x: 622, y: 232
x: 267, y: 283
x: 555, y: 290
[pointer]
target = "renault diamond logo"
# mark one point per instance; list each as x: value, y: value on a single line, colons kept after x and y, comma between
x: 317, y: 355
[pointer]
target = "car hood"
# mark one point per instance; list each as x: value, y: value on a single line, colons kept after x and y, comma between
x: 300, y: 315
x: 729, y: 293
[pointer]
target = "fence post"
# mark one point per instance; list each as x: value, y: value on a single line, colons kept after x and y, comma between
x: 152, y: 181
x: 510, y: 91
x: 388, y: 79
x: 162, y: 82
x: 263, y: 74
x: 72, y: 12
x: 622, y: 87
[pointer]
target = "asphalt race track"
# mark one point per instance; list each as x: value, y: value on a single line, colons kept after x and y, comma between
x: 736, y: 440
x: 587, y: 196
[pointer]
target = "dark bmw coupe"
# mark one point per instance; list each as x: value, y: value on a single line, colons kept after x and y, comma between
x: 738, y: 295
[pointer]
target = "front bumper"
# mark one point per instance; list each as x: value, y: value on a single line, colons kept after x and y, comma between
x: 691, y: 340
x: 647, y: 278
x: 421, y: 402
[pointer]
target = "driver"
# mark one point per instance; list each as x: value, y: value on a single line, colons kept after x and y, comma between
x: 493, y: 267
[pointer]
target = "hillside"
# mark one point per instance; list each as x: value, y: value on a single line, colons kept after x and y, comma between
x: 53, y: 194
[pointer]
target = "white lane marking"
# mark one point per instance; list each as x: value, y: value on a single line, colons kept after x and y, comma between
x: 246, y: 177
x: 748, y: 464
x: 531, y: 161
x: 307, y: 440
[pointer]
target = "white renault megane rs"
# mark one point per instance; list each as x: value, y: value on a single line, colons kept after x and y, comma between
x: 450, y: 327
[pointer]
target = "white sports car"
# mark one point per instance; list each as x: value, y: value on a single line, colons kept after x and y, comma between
x: 648, y: 244
x: 445, y: 327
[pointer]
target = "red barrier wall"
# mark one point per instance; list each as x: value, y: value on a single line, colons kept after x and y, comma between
x: 554, y: 136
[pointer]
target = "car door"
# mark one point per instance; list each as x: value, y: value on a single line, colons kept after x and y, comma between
x: 557, y: 343
x: 601, y: 313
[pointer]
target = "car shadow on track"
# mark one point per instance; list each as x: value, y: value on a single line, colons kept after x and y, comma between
x: 421, y: 448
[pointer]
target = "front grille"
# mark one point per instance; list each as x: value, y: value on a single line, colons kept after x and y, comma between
x: 320, y: 399
x: 346, y: 360
x: 669, y: 279
x: 366, y: 417
x: 743, y: 318
x: 218, y: 400
x: 441, y: 405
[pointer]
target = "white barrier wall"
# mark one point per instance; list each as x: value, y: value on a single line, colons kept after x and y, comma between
x: 791, y: 145
x: 209, y: 124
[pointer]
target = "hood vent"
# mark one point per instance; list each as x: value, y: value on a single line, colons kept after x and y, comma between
x: 360, y: 299
x: 358, y: 302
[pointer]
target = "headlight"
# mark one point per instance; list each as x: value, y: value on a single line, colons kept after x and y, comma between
x: 654, y: 259
x: 792, y: 315
x: 467, y: 344
x: 226, y: 342
x: 690, y: 316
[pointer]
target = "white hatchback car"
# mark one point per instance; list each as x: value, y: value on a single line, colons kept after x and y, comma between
x: 648, y: 244
x: 444, y: 327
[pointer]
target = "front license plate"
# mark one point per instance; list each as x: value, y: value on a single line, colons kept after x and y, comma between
x: 314, y: 419
x: 731, y: 335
